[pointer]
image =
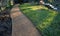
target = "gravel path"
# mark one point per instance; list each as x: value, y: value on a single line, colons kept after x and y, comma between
x: 21, y: 25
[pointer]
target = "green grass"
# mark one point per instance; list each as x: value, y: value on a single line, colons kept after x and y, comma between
x: 46, y: 20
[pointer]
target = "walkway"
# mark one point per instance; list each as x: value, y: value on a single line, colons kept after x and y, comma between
x: 21, y: 26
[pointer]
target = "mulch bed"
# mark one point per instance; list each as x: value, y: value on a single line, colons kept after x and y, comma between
x: 5, y: 23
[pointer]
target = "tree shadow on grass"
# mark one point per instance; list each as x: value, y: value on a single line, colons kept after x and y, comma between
x: 56, y: 25
x: 52, y: 28
x: 46, y: 21
x: 5, y: 23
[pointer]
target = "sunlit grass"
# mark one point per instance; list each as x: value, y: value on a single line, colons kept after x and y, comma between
x: 36, y: 7
x: 46, y: 20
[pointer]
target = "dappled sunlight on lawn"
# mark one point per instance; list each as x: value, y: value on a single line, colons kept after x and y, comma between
x: 46, y: 22
x: 43, y: 18
x: 37, y: 7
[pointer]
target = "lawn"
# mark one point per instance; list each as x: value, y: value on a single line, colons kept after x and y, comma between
x: 47, y: 21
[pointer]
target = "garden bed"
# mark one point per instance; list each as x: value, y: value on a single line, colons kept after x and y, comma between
x: 5, y: 23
